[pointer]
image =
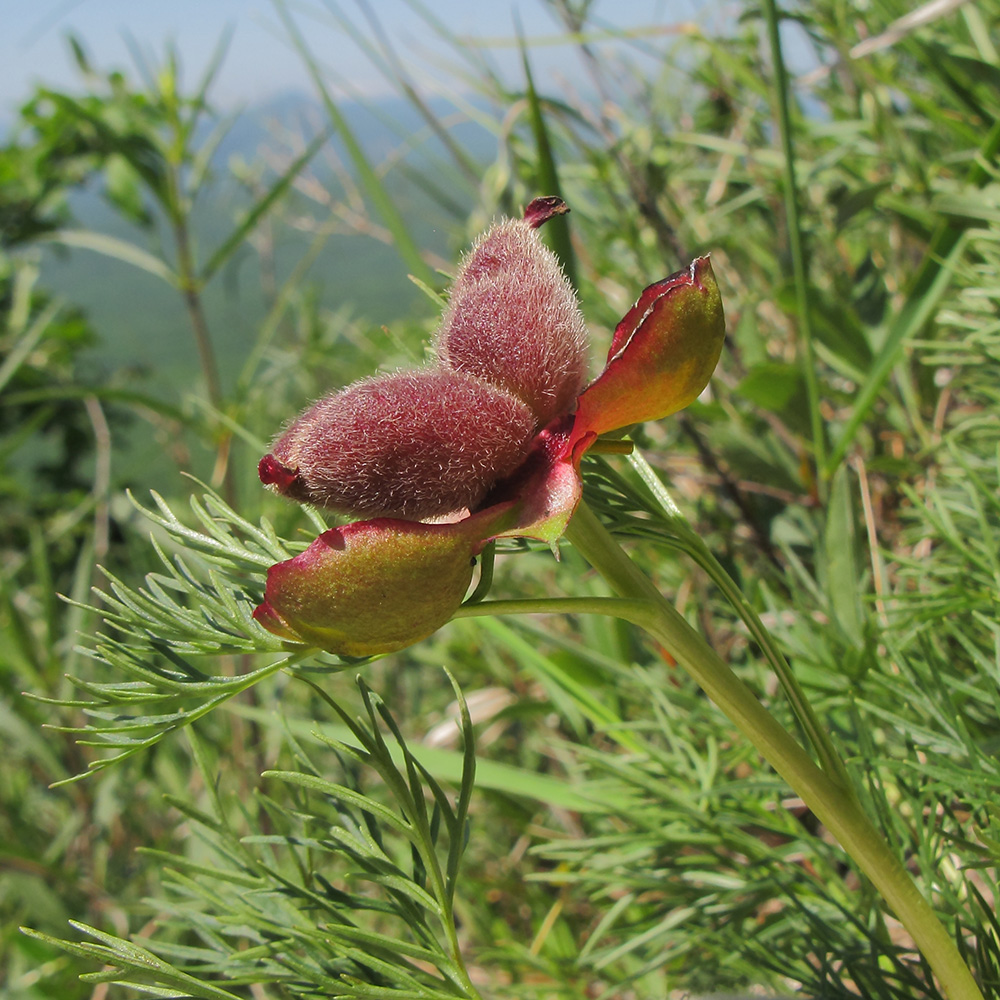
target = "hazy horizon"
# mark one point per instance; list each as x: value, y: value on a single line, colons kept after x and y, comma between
x: 261, y: 63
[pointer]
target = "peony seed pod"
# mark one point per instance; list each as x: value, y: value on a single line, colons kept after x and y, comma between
x: 662, y: 355
x: 411, y: 444
x: 513, y: 317
x: 371, y: 587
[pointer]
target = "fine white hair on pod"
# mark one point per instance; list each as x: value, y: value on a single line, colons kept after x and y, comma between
x: 411, y: 444
x: 513, y: 320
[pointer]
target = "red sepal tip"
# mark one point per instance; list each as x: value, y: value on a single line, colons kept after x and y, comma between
x: 273, y: 473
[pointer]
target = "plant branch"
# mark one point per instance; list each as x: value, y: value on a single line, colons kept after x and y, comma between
x: 691, y: 543
x: 611, y: 606
x: 196, y: 314
x: 837, y: 810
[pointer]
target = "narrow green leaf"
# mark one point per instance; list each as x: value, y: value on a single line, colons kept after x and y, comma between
x: 211, y: 70
x: 916, y: 313
x: 440, y: 302
x: 346, y: 795
x: 548, y: 173
x: 208, y: 871
x: 112, y: 246
x: 457, y: 844
x: 358, y: 935
x: 80, y: 56
x: 370, y: 180
x: 25, y: 344
x: 131, y: 957
x: 402, y: 885
x: 257, y: 211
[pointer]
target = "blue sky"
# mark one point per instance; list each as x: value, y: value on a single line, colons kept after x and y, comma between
x: 260, y: 62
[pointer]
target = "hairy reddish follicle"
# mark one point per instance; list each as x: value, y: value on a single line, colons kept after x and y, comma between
x: 497, y: 425
x: 511, y: 358
x: 412, y: 444
x: 513, y: 318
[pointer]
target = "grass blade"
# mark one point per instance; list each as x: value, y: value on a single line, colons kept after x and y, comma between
x: 369, y: 178
x: 796, y: 249
x: 112, y: 246
x: 548, y: 172
x: 257, y: 211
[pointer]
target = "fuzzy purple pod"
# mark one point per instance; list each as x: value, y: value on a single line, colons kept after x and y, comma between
x: 413, y: 444
x: 487, y: 440
x: 513, y: 318
x: 511, y: 357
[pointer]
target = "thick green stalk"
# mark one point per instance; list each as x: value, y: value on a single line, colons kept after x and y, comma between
x: 691, y: 543
x: 836, y: 809
x: 611, y: 606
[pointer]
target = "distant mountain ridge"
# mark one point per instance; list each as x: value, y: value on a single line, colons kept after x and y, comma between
x: 380, y: 125
x: 369, y: 120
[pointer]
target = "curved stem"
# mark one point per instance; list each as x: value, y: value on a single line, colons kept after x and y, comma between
x: 838, y: 811
x: 614, y: 607
x: 691, y: 543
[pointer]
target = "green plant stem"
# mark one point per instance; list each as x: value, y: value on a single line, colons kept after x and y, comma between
x: 177, y: 206
x: 614, y: 607
x: 796, y: 248
x: 206, y: 354
x: 189, y: 287
x: 837, y: 810
x: 191, y: 290
x: 691, y: 543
